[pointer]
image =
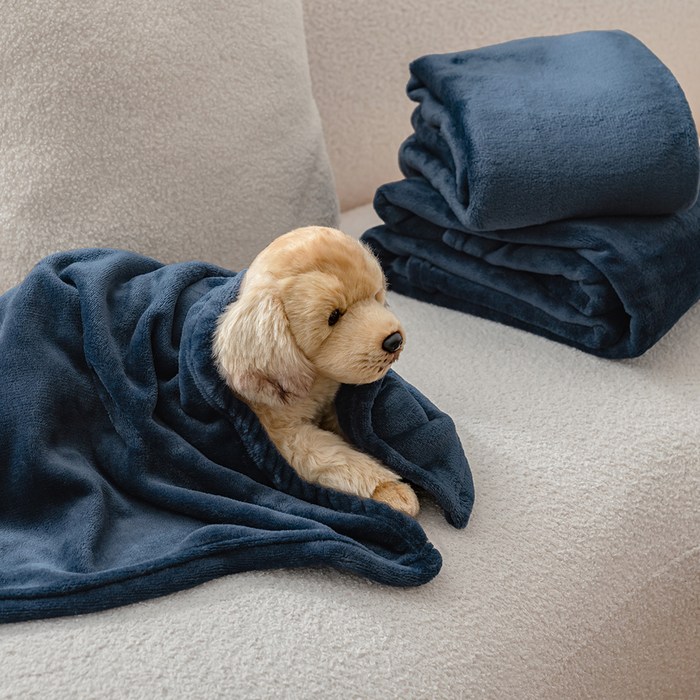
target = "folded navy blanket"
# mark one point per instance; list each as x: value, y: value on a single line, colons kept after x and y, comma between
x: 551, y: 184
x: 609, y: 286
x: 128, y: 470
x: 540, y: 129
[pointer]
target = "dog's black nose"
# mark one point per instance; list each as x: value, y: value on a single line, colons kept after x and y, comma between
x: 393, y: 342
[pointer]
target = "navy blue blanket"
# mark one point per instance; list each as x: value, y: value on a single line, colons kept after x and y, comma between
x: 609, y: 286
x: 128, y: 470
x: 522, y: 153
x: 540, y: 129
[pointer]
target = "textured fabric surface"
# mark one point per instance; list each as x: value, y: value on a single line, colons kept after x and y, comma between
x: 359, y: 52
x: 129, y: 470
x: 610, y: 286
x: 184, y: 130
x: 549, y: 128
x: 576, y: 577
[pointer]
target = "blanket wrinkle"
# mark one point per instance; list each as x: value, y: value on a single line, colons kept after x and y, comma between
x: 128, y: 470
x: 552, y: 185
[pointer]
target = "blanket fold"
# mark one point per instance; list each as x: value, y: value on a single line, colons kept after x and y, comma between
x: 541, y: 129
x: 128, y: 470
x: 551, y: 184
x: 609, y: 286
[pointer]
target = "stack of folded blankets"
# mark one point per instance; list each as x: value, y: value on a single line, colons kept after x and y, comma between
x: 550, y: 184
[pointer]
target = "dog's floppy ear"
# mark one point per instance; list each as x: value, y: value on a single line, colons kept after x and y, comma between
x: 255, y: 350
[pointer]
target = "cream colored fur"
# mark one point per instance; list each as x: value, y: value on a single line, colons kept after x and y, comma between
x: 279, y: 349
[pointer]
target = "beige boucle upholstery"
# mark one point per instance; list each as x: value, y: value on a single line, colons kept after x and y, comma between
x: 185, y: 130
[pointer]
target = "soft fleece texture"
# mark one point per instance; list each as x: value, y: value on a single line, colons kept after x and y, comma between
x: 576, y: 577
x: 184, y: 130
x: 608, y: 286
x: 589, y: 132
x: 129, y: 470
x: 548, y: 128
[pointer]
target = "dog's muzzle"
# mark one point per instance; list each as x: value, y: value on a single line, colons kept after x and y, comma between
x: 392, y: 342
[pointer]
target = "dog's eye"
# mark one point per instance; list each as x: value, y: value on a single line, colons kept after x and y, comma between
x: 334, y: 317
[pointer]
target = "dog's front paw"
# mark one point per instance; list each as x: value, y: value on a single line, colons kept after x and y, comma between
x: 397, y: 495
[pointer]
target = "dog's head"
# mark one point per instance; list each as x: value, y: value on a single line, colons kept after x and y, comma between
x: 312, y: 303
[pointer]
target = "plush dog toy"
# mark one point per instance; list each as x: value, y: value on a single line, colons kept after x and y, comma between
x: 312, y: 314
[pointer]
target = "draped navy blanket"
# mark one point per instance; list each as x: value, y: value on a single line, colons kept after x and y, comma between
x: 551, y: 184
x: 128, y: 470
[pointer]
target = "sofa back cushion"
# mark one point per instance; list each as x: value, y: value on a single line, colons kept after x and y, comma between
x: 182, y: 130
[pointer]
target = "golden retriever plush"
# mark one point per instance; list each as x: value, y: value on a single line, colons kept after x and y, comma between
x: 311, y: 314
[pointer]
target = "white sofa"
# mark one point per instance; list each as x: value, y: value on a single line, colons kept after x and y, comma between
x: 578, y: 575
